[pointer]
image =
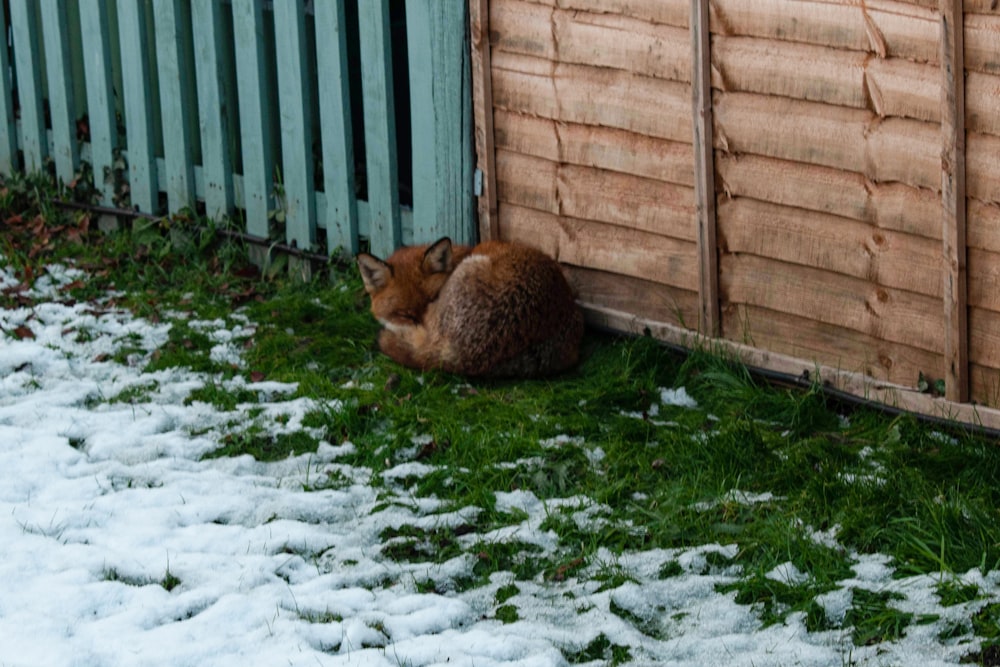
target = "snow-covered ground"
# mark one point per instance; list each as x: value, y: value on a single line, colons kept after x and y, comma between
x: 102, y: 503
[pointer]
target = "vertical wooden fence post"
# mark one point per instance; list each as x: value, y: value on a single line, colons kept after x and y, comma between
x: 175, y: 103
x: 8, y: 128
x: 953, y: 201
x: 94, y: 29
x: 210, y: 61
x: 255, y: 114
x: 338, y: 132
x: 137, y: 93
x: 704, y: 169
x: 380, y: 126
x: 436, y: 38
x: 27, y: 66
x: 482, y: 95
x: 294, y: 103
x: 55, y: 36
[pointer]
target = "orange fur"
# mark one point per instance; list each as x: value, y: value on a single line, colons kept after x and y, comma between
x: 495, y: 310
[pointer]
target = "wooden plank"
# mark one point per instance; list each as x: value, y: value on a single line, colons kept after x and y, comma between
x: 596, y: 39
x: 982, y: 103
x: 380, y: 126
x: 856, y: 384
x: 985, y: 386
x: 669, y: 12
x: 8, y: 126
x: 981, y: 42
x: 983, y: 229
x: 709, y: 322
x: 884, y: 28
x: 95, y: 31
x: 830, y: 345
x: 984, y: 285
x: 213, y: 102
x: 482, y: 108
x: 882, y: 312
x: 594, y: 194
x: 138, y: 97
x: 832, y: 243
x: 28, y: 68
x: 339, y: 185
x: 662, y: 303
x: 250, y: 53
x: 888, y: 87
x: 440, y: 119
x: 893, y: 149
x: 847, y: 194
x: 953, y: 193
x: 982, y: 177
x: 295, y: 104
x: 640, y: 104
x: 172, y: 68
x: 592, y: 146
x: 594, y: 245
x: 62, y: 107
x: 984, y: 337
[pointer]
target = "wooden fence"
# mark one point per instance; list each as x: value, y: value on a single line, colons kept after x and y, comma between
x: 248, y: 107
x: 813, y: 185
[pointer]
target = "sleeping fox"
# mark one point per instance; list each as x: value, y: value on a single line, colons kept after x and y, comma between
x: 494, y: 310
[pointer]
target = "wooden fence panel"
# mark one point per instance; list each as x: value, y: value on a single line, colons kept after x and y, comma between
x: 221, y: 105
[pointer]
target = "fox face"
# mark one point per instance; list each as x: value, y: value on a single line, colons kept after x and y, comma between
x: 402, y: 286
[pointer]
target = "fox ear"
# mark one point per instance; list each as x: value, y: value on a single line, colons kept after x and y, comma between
x: 375, y: 273
x: 438, y: 257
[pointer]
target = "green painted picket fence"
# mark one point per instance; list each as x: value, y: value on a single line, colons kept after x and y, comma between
x: 245, y: 107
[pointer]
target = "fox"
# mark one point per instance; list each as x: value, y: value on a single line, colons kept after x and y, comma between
x: 498, y: 309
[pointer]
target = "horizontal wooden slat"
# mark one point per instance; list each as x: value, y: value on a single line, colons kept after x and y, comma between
x: 593, y: 146
x: 984, y: 385
x: 882, y: 312
x: 982, y: 168
x: 884, y: 28
x: 830, y: 345
x: 823, y: 189
x: 984, y: 337
x: 594, y: 194
x: 889, y: 87
x: 981, y: 32
x: 663, y: 303
x: 984, y: 283
x: 641, y: 104
x: 836, y: 244
x: 983, y: 229
x: 611, y: 248
x: 894, y: 149
x: 670, y: 12
x: 601, y: 40
x: 982, y: 102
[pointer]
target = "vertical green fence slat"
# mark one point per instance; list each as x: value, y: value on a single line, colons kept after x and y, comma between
x: 335, y: 119
x: 380, y: 126
x: 27, y: 65
x: 297, y: 169
x: 440, y: 117
x: 138, y: 99
x: 94, y: 29
x: 255, y: 121
x: 176, y: 109
x: 62, y: 108
x: 8, y: 127
x: 206, y: 22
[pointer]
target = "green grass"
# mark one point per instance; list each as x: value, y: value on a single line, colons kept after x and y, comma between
x: 616, y: 470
